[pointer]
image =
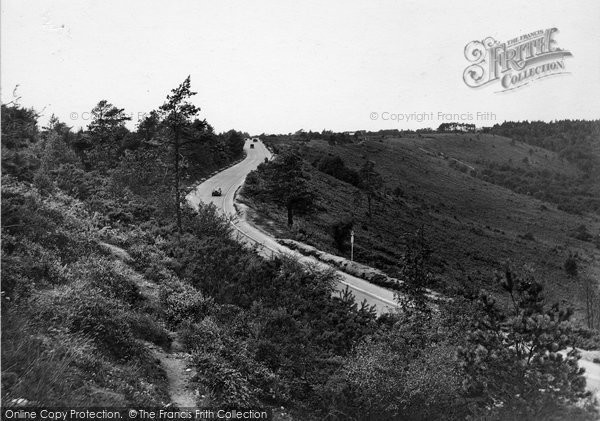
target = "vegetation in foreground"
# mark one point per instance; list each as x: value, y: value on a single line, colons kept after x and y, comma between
x: 268, y: 333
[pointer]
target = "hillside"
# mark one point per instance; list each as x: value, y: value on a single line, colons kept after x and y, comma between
x: 76, y: 324
x: 473, y: 226
x: 116, y: 293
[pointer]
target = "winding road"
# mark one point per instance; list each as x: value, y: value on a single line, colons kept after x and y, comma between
x: 229, y: 181
x: 232, y: 178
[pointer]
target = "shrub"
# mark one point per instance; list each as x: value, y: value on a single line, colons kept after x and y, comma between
x: 145, y: 326
x: 398, y: 191
x: 571, y: 265
x: 87, y: 310
x: 26, y: 264
x: 42, y: 181
x: 528, y: 236
x: 399, y: 374
x: 341, y: 233
x: 75, y: 181
x: 335, y: 166
x: 228, y: 368
x: 149, y: 260
x: 202, y: 336
x: 183, y: 302
x: 228, y: 386
x: 582, y: 233
x: 107, y: 277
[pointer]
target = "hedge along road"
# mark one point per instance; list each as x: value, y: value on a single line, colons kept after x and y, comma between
x: 229, y: 181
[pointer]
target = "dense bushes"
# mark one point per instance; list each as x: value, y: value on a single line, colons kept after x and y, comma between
x: 399, y: 375
x: 335, y: 166
x: 67, y: 311
x: 470, y: 359
x: 341, y: 233
x: 571, y: 194
x: 268, y: 317
x: 83, y: 309
x: 182, y: 302
x: 232, y: 375
x: 101, y: 274
x: 572, y: 139
x: 582, y: 233
x: 570, y: 265
x: 511, y: 357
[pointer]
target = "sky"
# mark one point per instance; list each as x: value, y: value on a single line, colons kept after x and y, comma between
x: 279, y: 66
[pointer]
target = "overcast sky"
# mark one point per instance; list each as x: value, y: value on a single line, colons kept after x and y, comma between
x: 279, y: 66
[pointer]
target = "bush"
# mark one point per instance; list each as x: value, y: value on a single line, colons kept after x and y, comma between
x: 75, y: 181
x: 107, y: 277
x: 204, y: 336
x: 582, y: 233
x: 335, y: 166
x: 228, y: 386
x: 226, y: 366
x: 341, y: 233
x: 571, y: 265
x: 149, y: 260
x: 182, y: 302
x: 528, y: 236
x: 87, y: 310
x: 26, y: 264
x: 145, y: 326
x: 398, y: 191
x: 399, y: 374
x: 42, y: 181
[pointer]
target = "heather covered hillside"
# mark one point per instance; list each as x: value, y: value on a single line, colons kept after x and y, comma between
x: 116, y: 293
x: 482, y: 199
x: 299, y: 210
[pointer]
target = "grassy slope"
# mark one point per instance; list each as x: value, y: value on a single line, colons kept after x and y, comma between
x: 472, y: 225
x: 75, y: 324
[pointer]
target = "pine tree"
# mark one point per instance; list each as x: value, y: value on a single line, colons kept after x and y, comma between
x: 512, y: 358
x: 178, y: 112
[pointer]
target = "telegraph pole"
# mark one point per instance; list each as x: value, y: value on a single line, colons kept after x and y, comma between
x: 352, y: 245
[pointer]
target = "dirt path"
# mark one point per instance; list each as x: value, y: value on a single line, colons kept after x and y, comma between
x: 177, y: 366
x: 176, y: 363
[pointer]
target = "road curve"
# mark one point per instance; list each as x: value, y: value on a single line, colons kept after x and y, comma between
x: 230, y: 180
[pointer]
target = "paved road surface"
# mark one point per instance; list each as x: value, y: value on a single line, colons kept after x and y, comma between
x: 230, y: 180
x: 592, y: 372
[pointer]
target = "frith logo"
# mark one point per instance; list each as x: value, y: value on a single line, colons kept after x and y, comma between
x: 516, y: 62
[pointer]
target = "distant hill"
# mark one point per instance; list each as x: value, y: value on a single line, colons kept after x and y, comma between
x: 483, y: 199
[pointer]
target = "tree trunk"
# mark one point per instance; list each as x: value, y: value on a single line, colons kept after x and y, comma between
x: 290, y: 211
x: 177, y: 192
